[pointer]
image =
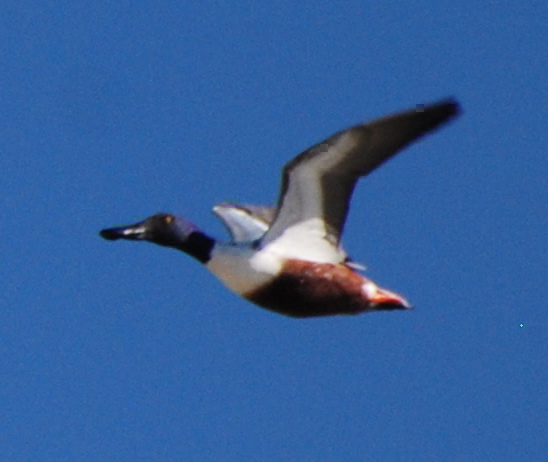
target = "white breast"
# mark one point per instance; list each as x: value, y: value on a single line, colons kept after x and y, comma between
x: 241, y: 268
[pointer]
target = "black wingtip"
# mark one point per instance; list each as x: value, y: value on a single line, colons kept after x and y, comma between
x: 438, y: 113
x: 452, y: 106
x: 446, y: 108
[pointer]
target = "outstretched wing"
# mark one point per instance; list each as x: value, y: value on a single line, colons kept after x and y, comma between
x: 245, y: 223
x: 318, y: 183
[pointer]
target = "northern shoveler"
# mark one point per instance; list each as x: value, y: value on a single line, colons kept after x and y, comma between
x: 289, y: 258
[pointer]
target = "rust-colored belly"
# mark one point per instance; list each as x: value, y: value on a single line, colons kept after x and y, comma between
x: 306, y: 289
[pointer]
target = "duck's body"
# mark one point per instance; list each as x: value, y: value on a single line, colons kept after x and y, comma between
x: 289, y: 259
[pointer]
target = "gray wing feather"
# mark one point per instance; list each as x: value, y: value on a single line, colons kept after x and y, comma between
x: 245, y: 223
x: 319, y: 182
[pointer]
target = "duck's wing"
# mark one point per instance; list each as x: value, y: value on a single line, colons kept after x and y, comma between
x: 245, y: 223
x: 318, y: 183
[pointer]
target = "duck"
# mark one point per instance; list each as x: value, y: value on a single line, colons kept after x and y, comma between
x: 289, y: 258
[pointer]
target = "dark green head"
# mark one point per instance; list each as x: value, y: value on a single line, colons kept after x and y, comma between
x: 167, y: 230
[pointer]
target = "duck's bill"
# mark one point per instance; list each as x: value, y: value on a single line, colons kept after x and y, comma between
x: 132, y: 232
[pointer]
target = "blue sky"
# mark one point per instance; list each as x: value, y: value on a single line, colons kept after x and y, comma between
x: 123, y: 352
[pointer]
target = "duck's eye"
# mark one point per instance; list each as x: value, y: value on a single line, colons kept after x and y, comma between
x: 168, y: 219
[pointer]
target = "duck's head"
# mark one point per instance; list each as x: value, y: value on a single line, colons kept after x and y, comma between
x: 162, y: 228
x: 167, y: 230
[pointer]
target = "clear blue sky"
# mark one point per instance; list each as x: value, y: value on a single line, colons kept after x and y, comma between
x: 112, y: 111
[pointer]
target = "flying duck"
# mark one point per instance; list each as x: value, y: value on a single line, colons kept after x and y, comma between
x: 289, y: 258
